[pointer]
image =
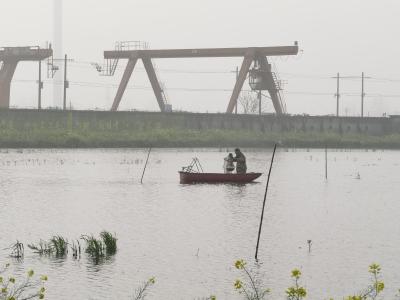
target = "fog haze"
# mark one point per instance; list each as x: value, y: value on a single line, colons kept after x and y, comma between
x: 349, y: 37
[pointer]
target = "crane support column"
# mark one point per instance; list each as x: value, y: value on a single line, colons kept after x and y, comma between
x: 6, y: 74
x: 148, y: 65
x: 124, y: 82
x: 272, y: 87
x: 247, y: 61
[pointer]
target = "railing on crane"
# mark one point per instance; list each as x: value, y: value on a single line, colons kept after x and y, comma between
x: 279, y: 87
x: 110, y: 65
x: 263, y: 77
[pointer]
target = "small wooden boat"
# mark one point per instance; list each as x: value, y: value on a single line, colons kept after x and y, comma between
x: 192, y: 177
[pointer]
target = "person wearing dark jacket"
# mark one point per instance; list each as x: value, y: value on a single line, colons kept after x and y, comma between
x: 240, y: 159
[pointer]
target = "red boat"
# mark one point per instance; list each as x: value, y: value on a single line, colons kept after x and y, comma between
x: 191, y: 177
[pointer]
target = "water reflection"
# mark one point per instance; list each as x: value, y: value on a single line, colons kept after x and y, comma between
x: 188, y: 236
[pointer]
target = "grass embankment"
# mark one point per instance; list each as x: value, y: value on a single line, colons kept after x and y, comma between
x: 63, y: 138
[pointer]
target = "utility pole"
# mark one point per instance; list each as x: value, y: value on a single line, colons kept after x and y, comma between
x: 237, y: 77
x: 362, y: 95
x: 66, y: 83
x: 363, y: 77
x: 40, y: 86
x: 259, y: 102
x: 337, y: 94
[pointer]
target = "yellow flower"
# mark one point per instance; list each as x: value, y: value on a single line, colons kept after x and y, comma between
x: 30, y: 273
x: 240, y: 264
x: 41, y: 296
x: 4, y: 290
x: 379, y: 286
x: 11, y: 279
x: 301, y: 292
x: 42, y: 290
x: 296, y: 273
x: 152, y: 280
x: 43, y: 278
x: 238, y: 284
x: 374, y: 269
x: 213, y: 297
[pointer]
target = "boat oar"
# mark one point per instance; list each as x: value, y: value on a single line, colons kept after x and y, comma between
x: 265, y: 197
x: 145, y: 166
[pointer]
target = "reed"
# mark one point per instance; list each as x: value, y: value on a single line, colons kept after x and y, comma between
x: 42, y: 248
x: 76, y: 249
x: 109, y: 241
x: 94, y: 247
x: 17, y: 250
x: 59, y: 245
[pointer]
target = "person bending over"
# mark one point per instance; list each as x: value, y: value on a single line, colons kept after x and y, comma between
x: 240, y: 159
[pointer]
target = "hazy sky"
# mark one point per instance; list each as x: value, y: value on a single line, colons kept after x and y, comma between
x: 346, y: 36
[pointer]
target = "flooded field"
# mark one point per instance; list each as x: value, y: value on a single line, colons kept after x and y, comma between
x: 188, y: 236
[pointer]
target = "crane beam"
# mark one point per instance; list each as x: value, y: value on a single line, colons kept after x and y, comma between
x: 202, y: 52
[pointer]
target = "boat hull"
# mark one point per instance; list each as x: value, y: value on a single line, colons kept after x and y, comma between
x: 187, y: 178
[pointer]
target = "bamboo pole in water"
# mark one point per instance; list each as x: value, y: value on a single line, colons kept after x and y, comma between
x: 326, y: 162
x: 265, y: 198
x: 145, y: 166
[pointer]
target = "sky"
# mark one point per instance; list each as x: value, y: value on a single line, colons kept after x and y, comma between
x: 343, y: 36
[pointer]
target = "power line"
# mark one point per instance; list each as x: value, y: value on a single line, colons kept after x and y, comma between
x: 110, y: 85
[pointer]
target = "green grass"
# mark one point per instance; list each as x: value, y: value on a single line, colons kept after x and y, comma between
x: 60, y: 245
x: 162, y: 137
x: 94, y: 247
x: 110, y: 242
x: 57, y: 245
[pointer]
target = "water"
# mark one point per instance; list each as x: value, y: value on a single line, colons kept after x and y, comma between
x: 188, y: 236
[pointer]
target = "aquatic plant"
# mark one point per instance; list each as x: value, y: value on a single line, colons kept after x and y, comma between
x: 110, y: 242
x: 141, y: 291
x: 42, y: 248
x: 94, y: 247
x: 251, y: 288
x: 17, y: 250
x: 76, y: 249
x: 59, y: 245
x: 28, y: 288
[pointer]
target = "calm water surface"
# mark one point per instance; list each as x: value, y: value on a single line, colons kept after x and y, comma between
x: 188, y: 236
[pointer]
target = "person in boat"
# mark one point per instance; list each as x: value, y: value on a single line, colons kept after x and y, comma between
x: 229, y: 167
x: 240, y: 159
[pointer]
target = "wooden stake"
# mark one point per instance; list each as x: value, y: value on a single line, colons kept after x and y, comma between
x: 265, y: 198
x: 326, y: 162
x: 144, y: 170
